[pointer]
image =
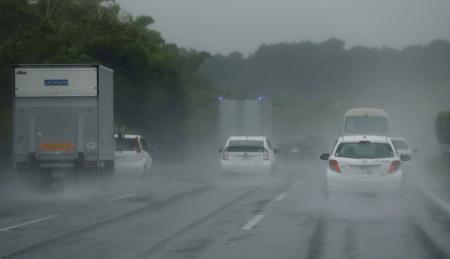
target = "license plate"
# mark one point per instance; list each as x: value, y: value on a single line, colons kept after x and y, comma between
x: 366, y: 172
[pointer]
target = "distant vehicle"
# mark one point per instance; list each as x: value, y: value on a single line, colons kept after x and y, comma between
x: 244, y: 117
x: 402, y: 146
x: 63, y: 121
x: 252, y: 154
x: 364, y: 163
x: 132, y: 156
x: 442, y: 127
x: 366, y: 121
x: 297, y: 148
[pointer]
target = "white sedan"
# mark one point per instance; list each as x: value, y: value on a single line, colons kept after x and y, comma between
x: 132, y: 157
x: 248, y: 154
x: 364, y: 164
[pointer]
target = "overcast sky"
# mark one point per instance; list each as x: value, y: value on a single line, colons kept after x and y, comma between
x: 223, y: 26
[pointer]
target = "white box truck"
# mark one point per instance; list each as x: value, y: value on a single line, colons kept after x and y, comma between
x: 63, y: 120
x: 244, y: 117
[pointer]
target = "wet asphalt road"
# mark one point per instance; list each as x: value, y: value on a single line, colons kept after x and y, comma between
x: 188, y: 211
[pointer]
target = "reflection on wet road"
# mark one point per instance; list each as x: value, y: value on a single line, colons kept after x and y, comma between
x: 191, y: 211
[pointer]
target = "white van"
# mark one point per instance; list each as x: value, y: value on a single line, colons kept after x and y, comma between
x: 366, y: 121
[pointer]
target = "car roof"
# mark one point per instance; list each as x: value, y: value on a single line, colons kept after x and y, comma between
x: 373, y: 112
x: 357, y: 138
x: 130, y: 136
x: 399, y: 139
x: 247, y: 138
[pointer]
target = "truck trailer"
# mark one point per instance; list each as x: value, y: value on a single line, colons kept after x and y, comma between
x: 63, y: 120
x: 244, y: 117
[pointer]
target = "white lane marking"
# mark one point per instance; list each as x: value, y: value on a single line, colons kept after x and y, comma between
x: 255, y: 220
x: 28, y: 223
x: 436, y: 199
x: 280, y: 197
x: 123, y: 196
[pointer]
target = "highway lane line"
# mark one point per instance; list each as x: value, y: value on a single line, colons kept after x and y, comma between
x: 253, y: 222
x: 123, y: 197
x: 436, y: 199
x: 17, y: 252
x: 26, y: 223
x: 280, y: 197
x: 164, y: 242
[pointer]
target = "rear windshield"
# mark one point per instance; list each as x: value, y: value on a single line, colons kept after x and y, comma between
x: 399, y: 144
x: 245, y: 149
x: 246, y: 143
x: 126, y: 144
x: 364, y: 150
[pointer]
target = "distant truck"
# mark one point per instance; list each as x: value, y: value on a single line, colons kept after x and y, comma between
x: 63, y: 120
x: 370, y: 121
x: 442, y: 127
x: 244, y: 117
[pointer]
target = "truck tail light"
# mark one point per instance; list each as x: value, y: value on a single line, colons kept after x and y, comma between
x: 395, y: 165
x: 334, y: 166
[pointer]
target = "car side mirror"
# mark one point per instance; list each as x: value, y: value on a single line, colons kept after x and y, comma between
x: 405, y: 158
x: 220, y: 150
x: 276, y: 150
x: 325, y: 156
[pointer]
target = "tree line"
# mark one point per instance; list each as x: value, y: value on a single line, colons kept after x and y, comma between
x: 313, y: 84
x: 159, y: 91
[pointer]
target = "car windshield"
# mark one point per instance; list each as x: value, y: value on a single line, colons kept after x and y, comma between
x: 364, y: 150
x: 400, y: 144
x: 126, y: 144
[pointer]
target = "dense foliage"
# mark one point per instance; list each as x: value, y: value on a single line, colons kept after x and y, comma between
x: 443, y: 127
x: 312, y: 84
x: 158, y: 89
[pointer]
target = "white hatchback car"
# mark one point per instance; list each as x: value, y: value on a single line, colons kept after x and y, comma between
x: 252, y: 154
x: 132, y: 156
x: 365, y: 164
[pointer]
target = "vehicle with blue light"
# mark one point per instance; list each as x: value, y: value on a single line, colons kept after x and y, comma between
x: 244, y: 117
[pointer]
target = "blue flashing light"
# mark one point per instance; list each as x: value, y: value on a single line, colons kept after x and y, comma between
x: 260, y: 98
x: 220, y: 99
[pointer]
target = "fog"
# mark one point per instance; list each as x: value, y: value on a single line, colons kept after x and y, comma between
x: 242, y: 25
